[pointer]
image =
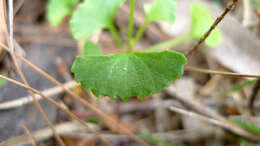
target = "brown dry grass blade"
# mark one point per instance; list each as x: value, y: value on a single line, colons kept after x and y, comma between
x: 11, y: 45
x: 77, y: 97
x: 223, y: 73
x: 27, y: 131
x: 54, y: 103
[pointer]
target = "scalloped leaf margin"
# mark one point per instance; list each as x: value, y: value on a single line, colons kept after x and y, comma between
x: 126, y: 75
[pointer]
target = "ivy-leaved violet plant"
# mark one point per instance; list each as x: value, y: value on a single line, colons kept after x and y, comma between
x: 129, y: 73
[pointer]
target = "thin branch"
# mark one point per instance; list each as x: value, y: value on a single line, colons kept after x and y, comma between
x: 2, y: 17
x: 219, y: 123
x: 18, y: 6
x: 46, y: 133
x: 78, y: 98
x: 27, y: 131
x: 54, y: 103
x: 217, y: 21
x: 36, y: 102
x: 11, y: 45
x: 189, y: 100
x: 28, y: 99
x: 207, y: 71
x: 74, y: 130
x: 247, y: 13
x: 49, y: 99
x: 253, y: 97
x: 198, y: 116
x: 11, y: 24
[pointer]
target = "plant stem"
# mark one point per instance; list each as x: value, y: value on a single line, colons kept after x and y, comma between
x: 141, y: 30
x: 170, y: 43
x: 131, y: 24
x: 116, y: 36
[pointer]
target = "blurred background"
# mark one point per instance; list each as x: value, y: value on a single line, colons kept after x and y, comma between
x: 225, y: 99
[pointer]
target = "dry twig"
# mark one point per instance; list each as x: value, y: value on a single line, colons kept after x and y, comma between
x: 77, y: 97
x: 231, y: 74
x: 198, y: 116
x: 28, y: 99
x: 46, y: 133
x: 253, y: 97
x: 27, y: 131
x: 11, y: 45
x: 54, y: 103
x: 11, y: 24
x: 201, y: 108
x: 74, y: 130
x: 228, y: 9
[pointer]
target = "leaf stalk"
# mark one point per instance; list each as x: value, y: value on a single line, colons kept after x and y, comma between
x: 131, y: 24
x: 141, y: 30
x: 116, y: 36
x: 169, y: 43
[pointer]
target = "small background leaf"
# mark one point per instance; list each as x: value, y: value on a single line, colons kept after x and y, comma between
x: 154, y: 140
x: 2, y: 81
x: 244, y: 142
x: 92, y: 120
x: 91, y: 49
x: 249, y: 127
x: 58, y: 9
x: 242, y: 85
x: 92, y: 15
x: 201, y: 22
x: 256, y: 4
x: 125, y: 75
x: 161, y: 10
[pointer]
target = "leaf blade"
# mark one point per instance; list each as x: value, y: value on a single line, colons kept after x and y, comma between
x: 201, y: 22
x: 2, y: 81
x: 58, y: 9
x: 125, y: 75
x: 247, y: 126
x: 251, y: 127
x: 90, y: 48
x: 93, y: 15
x: 241, y: 85
x: 161, y: 10
x: 155, y: 140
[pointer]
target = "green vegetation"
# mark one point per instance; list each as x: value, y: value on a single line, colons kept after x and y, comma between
x: 133, y: 73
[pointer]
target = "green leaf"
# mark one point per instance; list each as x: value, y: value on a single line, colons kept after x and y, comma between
x: 244, y: 142
x: 154, y: 139
x: 2, y: 81
x: 256, y: 5
x: 92, y: 120
x: 247, y: 126
x: 242, y: 85
x: 92, y: 15
x: 201, y: 23
x: 125, y: 75
x: 58, y: 9
x: 91, y: 49
x: 161, y: 10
